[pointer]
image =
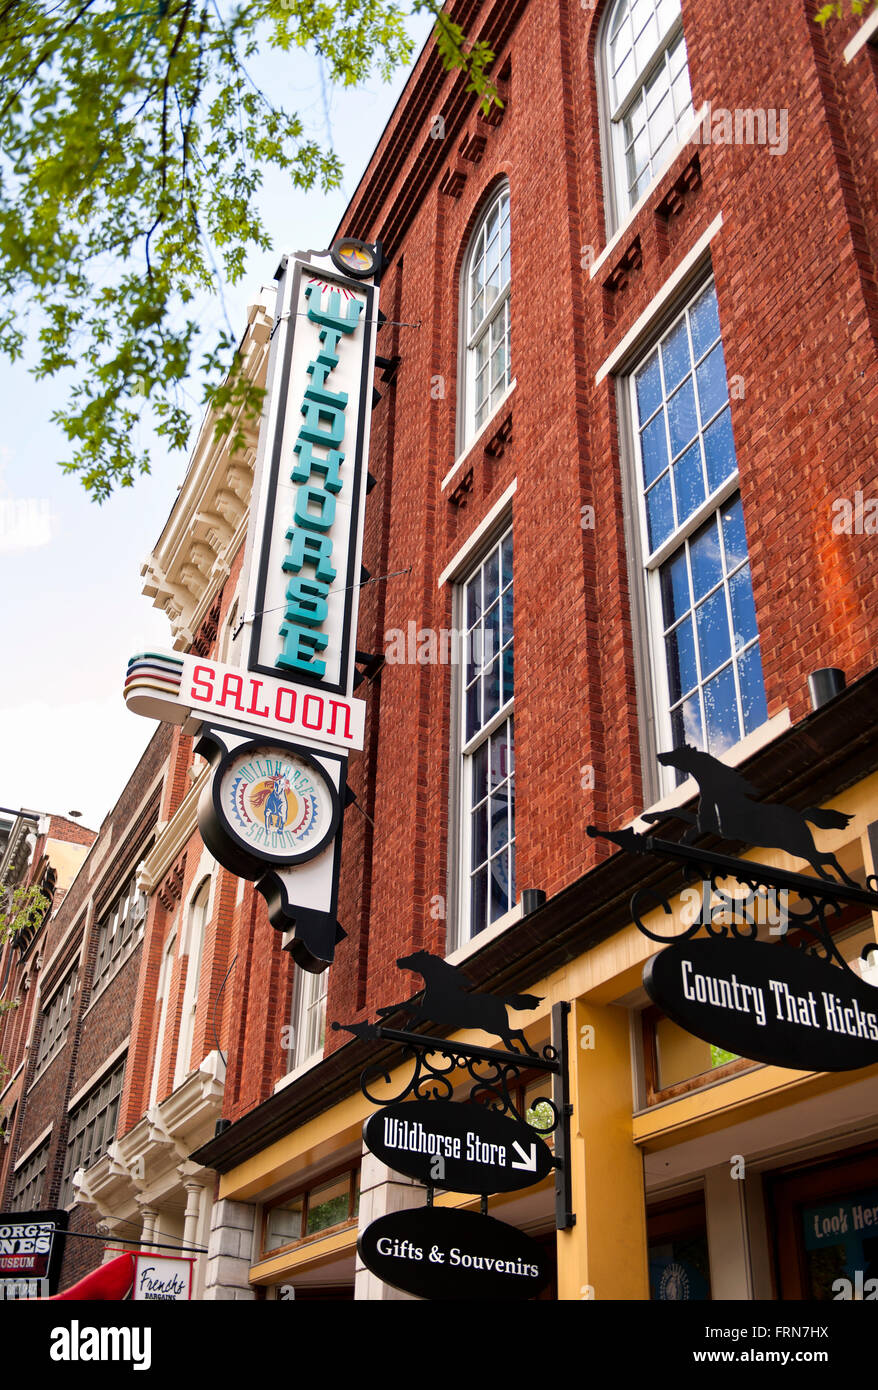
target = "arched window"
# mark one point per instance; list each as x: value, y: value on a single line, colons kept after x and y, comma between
x: 648, y: 99
x: 485, y: 338
x: 194, y: 942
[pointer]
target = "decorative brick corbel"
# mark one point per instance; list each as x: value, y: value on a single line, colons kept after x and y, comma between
x: 458, y: 494
x: 502, y: 436
x: 625, y: 266
x: 452, y: 182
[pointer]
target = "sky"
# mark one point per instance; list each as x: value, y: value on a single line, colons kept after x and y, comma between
x: 71, y: 611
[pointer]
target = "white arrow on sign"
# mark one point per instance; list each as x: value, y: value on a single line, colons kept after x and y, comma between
x: 529, y: 1164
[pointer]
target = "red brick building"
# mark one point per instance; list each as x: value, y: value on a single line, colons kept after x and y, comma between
x: 625, y: 499
x: 630, y: 362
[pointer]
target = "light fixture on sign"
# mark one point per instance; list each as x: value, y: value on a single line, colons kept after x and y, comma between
x: 355, y: 257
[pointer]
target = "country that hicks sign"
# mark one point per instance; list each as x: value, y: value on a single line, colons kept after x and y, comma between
x: 463, y: 1148
x: 769, y: 1002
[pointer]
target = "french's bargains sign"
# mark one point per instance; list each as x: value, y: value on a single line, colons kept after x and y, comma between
x: 771, y: 1003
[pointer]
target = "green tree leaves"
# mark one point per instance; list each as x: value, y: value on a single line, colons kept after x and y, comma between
x: 135, y: 139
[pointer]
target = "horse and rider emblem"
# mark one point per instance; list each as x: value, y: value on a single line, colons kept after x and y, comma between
x: 273, y: 797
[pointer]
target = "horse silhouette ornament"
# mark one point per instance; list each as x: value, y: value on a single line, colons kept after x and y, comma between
x: 729, y: 806
x: 448, y: 998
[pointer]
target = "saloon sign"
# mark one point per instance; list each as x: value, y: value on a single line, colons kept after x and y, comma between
x: 277, y: 728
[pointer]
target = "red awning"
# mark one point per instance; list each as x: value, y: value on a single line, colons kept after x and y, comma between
x: 112, y: 1282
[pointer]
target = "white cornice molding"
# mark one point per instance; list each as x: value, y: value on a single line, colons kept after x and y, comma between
x: 194, y: 553
x: 173, y: 839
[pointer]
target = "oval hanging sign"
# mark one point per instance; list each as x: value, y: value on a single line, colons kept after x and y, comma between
x: 438, y: 1253
x: 464, y: 1148
x: 770, y: 1003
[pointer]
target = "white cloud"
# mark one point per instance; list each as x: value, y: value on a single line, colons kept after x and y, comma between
x: 69, y: 757
x: 25, y: 523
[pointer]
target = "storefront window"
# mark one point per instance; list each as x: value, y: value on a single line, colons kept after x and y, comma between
x: 679, y: 1267
x: 841, y: 1247
x: 307, y: 1213
x: 826, y: 1219
x: 676, y: 1061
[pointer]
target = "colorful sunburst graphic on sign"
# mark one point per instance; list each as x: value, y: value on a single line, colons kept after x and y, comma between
x: 331, y: 285
x: 278, y: 811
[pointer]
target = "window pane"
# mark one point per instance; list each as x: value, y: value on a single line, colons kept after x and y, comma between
x: 711, y: 378
x: 480, y: 774
x: 675, y: 356
x: 479, y: 845
x: 734, y: 539
x: 704, y: 554
x: 755, y: 710
x: 719, y: 450
x: 659, y: 512
x: 284, y: 1224
x: 714, y: 644
x: 654, y: 449
x: 675, y: 588
x: 648, y: 384
x: 721, y: 712
x: 479, y: 901
x: 329, y: 1204
x: 507, y: 558
x: 491, y: 683
x: 686, y: 726
x: 743, y: 608
x: 688, y: 482
x: 682, y: 671
x: 682, y: 420
x: 704, y: 321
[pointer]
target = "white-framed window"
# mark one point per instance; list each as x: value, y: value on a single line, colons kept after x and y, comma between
x: 486, y: 853
x: 193, y: 947
x: 307, y: 1017
x: 28, y: 1180
x: 703, y: 641
x: 92, y: 1127
x: 164, y: 990
x: 647, y: 94
x: 485, y: 334
x: 119, y: 931
x: 56, y: 1021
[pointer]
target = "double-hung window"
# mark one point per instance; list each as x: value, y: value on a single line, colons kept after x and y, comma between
x: 56, y: 1021
x: 308, y: 1017
x: 646, y: 78
x: 706, y: 667
x: 118, y: 933
x: 486, y: 283
x: 487, y: 774
x: 92, y: 1128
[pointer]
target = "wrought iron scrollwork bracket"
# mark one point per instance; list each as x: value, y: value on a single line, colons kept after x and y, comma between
x: 492, y: 1076
x: 767, y: 898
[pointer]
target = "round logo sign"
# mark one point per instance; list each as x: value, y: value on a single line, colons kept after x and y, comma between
x: 278, y: 804
x: 354, y: 257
